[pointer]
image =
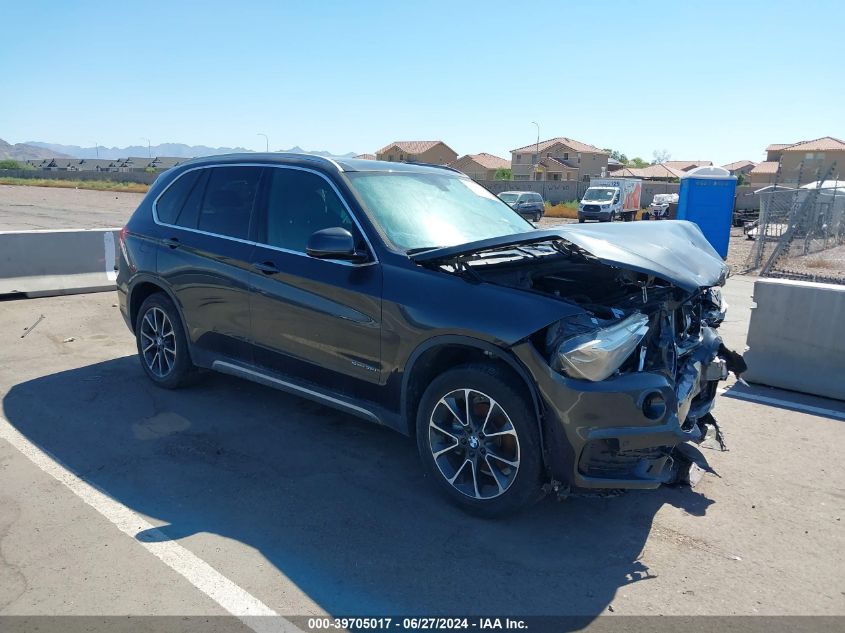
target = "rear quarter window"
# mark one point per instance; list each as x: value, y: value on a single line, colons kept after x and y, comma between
x: 171, y: 201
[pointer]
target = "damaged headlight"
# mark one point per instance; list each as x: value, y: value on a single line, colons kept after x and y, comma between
x: 596, y: 355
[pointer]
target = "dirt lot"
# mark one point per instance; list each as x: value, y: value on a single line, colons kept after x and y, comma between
x: 25, y: 208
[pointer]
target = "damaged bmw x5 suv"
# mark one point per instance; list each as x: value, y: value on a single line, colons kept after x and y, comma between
x: 521, y: 361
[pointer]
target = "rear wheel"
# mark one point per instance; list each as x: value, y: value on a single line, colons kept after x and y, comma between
x: 479, y: 441
x: 162, y: 345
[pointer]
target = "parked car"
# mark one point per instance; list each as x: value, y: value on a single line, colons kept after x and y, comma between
x: 528, y: 204
x: 520, y: 360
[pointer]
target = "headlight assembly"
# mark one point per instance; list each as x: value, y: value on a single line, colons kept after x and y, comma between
x: 596, y: 355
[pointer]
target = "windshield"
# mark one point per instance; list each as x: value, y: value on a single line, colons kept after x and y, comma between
x: 423, y: 210
x: 509, y: 197
x: 600, y: 195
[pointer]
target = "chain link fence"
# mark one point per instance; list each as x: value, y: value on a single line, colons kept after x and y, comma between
x: 800, y: 233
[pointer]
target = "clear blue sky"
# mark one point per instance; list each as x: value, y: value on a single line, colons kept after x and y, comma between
x: 703, y: 80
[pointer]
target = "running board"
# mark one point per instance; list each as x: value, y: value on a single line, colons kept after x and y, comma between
x: 271, y: 381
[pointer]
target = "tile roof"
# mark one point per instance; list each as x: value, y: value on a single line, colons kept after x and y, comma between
x: 652, y: 171
x: 739, y: 164
x: 489, y: 161
x: 825, y: 143
x: 774, y: 147
x: 553, y: 161
x: 365, y: 156
x: 686, y: 165
x: 767, y: 167
x: 578, y: 146
x: 411, y: 147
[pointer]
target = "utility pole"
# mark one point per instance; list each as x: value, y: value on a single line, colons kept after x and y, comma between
x: 537, y: 150
x: 149, y: 150
x: 97, y: 148
x: 266, y: 142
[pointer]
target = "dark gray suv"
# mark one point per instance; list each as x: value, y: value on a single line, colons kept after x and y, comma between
x: 528, y: 204
x: 521, y: 361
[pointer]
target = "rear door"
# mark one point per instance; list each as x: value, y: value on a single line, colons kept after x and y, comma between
x: 315, y: 320
x: 206, y: 216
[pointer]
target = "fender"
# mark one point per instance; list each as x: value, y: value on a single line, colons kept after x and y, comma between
x: 484, y: 346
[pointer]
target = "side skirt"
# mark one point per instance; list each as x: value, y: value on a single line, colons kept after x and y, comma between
x: 310, y: 393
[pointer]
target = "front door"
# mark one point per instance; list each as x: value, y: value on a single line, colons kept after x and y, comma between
x: 314, y: 320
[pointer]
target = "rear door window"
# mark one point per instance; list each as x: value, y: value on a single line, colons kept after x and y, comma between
x: 228, y: 202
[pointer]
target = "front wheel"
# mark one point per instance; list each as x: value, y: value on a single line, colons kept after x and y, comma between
x: 479, y: 441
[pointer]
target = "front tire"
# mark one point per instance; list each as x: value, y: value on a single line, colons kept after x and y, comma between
x: 162, y: 344
x: 479, y: 441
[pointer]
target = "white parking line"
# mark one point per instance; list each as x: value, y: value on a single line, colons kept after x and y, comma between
x: 235, y: 600
x: 788, y: 404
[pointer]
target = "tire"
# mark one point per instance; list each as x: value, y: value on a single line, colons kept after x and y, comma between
x: 158, y: 330
x: 537, y: 217
x: 486, y: 483
x: 580, y: 220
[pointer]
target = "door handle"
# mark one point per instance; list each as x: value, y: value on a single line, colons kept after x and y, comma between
x: 268, y: 268
x: 172, y: 242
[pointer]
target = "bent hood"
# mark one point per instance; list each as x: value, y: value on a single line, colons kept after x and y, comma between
x: 674, y: 250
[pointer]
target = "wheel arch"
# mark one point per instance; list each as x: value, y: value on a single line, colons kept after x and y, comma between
x: 441, y: 353
x: 144, y: 286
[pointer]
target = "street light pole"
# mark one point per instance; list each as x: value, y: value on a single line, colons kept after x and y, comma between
x: 266, y: 142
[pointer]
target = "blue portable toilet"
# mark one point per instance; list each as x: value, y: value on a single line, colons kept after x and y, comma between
x: 707, y: 198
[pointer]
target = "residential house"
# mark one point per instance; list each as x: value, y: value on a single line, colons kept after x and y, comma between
x: 365, y: 156
x: 532, y: 161
x: 800, y: 163
x: 134, y: 163
x: 613, y: 165
x: 740, y: 167
x: 433, y: 152
x: 481, y: 166
x: 61, y: 164
x: 763, y: 173
x: 165, y: 162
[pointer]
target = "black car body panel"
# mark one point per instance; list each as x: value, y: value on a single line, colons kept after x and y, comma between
x: 355, y: 334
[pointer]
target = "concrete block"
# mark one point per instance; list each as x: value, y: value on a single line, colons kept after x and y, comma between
x: 795, y: 337
x: 45, y: 263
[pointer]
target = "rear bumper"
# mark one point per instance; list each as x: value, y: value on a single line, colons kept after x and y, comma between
x: 610, y: 434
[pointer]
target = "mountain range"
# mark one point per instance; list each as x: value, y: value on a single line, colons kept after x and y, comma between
x: 25, y: 151
x: 176, y: 150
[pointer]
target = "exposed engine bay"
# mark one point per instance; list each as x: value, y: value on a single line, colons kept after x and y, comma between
x: 621, y: 322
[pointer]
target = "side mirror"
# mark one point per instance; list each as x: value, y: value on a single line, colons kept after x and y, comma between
x: 333, y: 243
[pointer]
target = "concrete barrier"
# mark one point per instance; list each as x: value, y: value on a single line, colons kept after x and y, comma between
x: 795, y: 337
x: 45, y: 263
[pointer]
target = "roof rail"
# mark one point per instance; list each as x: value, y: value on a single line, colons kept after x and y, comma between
x: 314, y: 157
x: 457, y: 171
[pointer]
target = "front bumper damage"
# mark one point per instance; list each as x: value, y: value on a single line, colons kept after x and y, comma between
x: 622, y: 432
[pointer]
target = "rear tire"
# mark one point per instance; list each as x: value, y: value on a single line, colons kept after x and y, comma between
x: 162, y: 344
x: 479, y: 441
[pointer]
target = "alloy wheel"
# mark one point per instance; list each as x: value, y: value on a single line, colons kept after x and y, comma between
x: 158, y: 342
x: 474, y: 444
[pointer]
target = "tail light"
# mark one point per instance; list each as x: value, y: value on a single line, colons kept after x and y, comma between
x: 122, y: 242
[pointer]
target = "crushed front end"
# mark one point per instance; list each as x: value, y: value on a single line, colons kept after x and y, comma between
x: 631, y: 370
x: 617, y: 424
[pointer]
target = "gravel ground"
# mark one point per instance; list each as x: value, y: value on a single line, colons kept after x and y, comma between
x: 24, y: 208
